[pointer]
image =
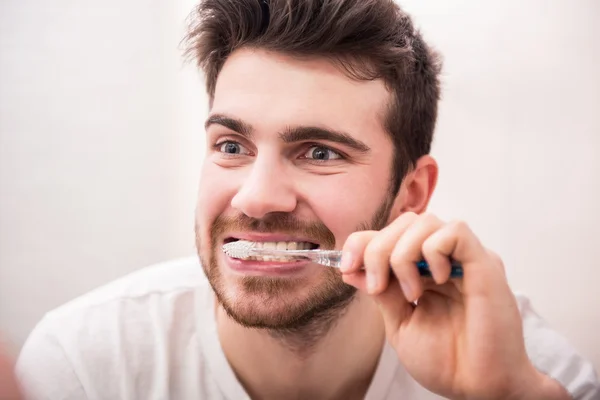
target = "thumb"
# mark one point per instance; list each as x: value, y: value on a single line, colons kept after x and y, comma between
x: 394, y: 308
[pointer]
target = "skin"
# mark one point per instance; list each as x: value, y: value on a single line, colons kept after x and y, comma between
x: 9, y: 388
x: 454, y: 323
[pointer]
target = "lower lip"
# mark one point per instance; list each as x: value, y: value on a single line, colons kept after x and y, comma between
x: 270, y: 268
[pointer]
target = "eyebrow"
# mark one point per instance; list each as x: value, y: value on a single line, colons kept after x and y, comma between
x: 291, y: 134
x: 233, y: 124
x: 306, y: 133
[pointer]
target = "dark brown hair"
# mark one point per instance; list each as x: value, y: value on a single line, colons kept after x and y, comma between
x: 369, y: 39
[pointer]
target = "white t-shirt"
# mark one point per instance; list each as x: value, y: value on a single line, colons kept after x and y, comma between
x: 152, y: 335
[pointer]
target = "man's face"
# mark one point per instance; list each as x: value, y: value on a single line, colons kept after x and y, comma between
x: 297, y: 157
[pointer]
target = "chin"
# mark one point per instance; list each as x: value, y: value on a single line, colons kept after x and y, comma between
x: 253, y: 312
x: 282, y: 303
x: 260, y: 301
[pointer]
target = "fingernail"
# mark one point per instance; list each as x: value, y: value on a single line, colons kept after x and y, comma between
x: 407, y: 291
x: 371, y: 282
x: 346, y: 263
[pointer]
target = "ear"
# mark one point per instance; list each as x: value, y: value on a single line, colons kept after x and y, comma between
x: 417, y: 188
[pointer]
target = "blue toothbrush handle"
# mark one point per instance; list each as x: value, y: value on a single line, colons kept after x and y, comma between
x: 456, y: 271
x: 334, y: 258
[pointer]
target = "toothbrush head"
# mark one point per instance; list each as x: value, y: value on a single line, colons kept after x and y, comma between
x: 238, y: 249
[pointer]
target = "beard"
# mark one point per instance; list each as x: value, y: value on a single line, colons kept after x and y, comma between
x: 282, y: 305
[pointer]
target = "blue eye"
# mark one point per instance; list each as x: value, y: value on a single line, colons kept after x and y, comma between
x: 321, y: 153
x: 233, y: 148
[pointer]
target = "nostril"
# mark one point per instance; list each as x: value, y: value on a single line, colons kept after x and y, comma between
x: 262, y: 195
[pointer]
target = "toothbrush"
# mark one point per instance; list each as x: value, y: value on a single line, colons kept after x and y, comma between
x: 329, y: 258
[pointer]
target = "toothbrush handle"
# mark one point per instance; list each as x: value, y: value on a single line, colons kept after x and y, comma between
x: 456, y: 270
x: 333, y: 259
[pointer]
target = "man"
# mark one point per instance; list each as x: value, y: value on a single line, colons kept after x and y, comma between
x: 321, y: 119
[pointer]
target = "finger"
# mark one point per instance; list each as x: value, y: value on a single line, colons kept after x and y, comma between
x: 356, y: 243
x: 378, y: 251
x: 356, y: 279
x: 439, y: 264
x: 394, y: 310
x: 352, y: 259
x: 458, y: 242
x: 353, y: 250
x: 407, y: 253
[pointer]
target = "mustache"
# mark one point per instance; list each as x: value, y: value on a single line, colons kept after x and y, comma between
x: 284, y: 223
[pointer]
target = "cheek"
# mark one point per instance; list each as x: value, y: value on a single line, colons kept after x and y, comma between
x: 214, y: 195
x: 344, y: 202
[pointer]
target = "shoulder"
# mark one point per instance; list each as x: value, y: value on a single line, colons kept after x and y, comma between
x: 154, y: 280
x: 118, y: 332
x: 146, y: 295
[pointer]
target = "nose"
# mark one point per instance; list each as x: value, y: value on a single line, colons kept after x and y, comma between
x: 265, y: 190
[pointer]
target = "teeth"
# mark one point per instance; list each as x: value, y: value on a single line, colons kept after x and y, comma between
x: 278, y: 246
x: 270, y: 258
x: 269, y: 245
x: 282, y: 245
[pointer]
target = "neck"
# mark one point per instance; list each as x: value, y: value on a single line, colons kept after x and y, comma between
x: 333, y: 359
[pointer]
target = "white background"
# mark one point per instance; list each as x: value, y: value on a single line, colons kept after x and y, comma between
x: 101, y: 143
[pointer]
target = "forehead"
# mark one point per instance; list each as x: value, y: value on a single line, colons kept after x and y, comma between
x: 272, y: 91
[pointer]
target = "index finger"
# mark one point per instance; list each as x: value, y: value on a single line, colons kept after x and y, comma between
x: 354, y: 249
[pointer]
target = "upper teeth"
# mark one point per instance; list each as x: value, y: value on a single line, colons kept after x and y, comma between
x: 283, y: 245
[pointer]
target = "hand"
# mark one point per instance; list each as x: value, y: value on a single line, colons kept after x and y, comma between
x: 9, y: 389
x: 464, y: 337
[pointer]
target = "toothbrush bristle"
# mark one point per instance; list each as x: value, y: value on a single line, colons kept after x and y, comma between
x: 238, y: 249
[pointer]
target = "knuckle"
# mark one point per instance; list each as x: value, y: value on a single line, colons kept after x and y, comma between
x: 496, y: 259
x: 375, y: 248
x: 373, y: 255
x: 399, y: 256
x: 459, y: 227
x: 405, y: 218
x: 409, y: 215
x: 429, y: 246
x: 430, y: 217
x: 357, y: 239
x: 494, y: 256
